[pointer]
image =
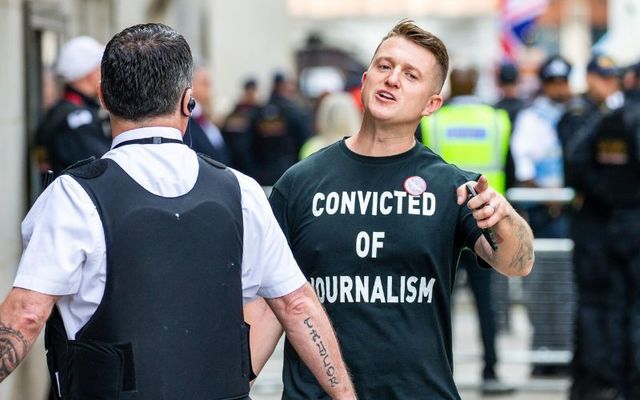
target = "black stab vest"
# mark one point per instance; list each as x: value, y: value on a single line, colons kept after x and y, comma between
x: 170, y: 324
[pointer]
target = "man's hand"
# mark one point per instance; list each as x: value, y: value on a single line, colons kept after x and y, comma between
x: 513, y: 235
x: 309, y: 331
x: 22, y: 316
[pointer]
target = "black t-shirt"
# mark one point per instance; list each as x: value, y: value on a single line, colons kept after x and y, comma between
x: 383, y: 263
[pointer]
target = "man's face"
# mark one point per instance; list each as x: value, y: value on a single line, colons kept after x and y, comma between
x: 557, y: 90
x: 601, y: 87
x: 94, y: 81
x: 202, y: 87
x: 402, y: 83
x: 251, y: 95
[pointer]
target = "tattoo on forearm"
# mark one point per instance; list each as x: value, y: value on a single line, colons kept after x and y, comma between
x: 13, y: 349
x: 524, y: 253
x: 329, y: 369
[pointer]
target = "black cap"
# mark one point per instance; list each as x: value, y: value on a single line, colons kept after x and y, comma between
x: 555, y: 67
x: 508, y: 73
x: 602, y: 65
x: 278, y: 77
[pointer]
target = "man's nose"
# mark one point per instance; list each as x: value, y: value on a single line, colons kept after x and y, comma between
x: 393, y: 79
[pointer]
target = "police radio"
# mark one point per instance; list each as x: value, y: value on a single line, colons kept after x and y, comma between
x: 488, y: 233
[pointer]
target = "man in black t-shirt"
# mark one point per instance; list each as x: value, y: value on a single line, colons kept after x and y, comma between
x: 376, y: 223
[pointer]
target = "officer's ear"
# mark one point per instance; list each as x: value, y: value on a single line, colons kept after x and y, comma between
x: 433, y: 104
x: 187, y: 103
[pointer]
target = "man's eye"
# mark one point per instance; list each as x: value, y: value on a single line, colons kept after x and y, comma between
x: 384, y: 66
x: 411, y: 76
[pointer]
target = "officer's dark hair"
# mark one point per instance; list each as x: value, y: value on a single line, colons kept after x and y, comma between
x: 407, y: 29
x: 463, y: 80
x: 146, y: 69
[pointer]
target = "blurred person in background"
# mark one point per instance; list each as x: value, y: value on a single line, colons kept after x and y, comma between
x: 536, y: 146
x: 603, y: 93
x: 591, y: 269
x: 508, y: 86
x: 474, y: 136
x: 512, y: 102
x: 605, y: 160
x: 630, y: 77
x: 235, y: 128
x: 537, y: 155
x: 353, y: 86
x: 337, y: 116
x: 188, y: 241
x: 278, y: 131
x: 202, y: 134
x: 74, y: 129
x: 377, y: 222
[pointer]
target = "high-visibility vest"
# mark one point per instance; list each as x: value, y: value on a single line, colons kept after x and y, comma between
x: 474, y: 137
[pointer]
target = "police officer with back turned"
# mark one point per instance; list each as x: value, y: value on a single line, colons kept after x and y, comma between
x: 144, y: 257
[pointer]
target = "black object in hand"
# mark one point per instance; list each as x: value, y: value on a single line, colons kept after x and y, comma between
x: 488, y: 233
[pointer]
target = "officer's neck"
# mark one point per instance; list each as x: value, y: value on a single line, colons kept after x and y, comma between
x: 375, y: 139
x: 177, y: 121
x: 84, y: 88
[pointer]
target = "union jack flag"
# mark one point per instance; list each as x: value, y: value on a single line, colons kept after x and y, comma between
x: 518, y: 17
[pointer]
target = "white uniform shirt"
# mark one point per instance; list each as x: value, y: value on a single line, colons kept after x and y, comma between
x: 535, y: 146
x: 65, y: 251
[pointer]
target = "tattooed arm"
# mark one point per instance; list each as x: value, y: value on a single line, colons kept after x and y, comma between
x: 22, y: 316
x: 514, y: 256
x: 310, y: 332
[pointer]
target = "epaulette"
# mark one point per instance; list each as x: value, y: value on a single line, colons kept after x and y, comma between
x: 211, y: 161
x: 87, y: 169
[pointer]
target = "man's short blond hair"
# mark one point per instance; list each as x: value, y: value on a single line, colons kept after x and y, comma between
x: 407, y: 29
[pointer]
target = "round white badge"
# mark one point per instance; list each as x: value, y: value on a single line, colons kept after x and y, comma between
x: 415, y: 185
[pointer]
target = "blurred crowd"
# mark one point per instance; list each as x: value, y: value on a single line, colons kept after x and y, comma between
x: 588, y: 141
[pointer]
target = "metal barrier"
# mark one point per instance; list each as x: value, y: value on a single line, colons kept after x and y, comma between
x: 550, y: 296
x: 548, y: 293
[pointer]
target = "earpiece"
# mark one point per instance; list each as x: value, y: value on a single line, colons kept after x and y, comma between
x: 191, y: 104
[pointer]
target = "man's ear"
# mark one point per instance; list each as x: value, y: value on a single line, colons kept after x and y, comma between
x: 184, y: 103
x: 101, y: 97
x: 364, y: 77
x: 434, y: 103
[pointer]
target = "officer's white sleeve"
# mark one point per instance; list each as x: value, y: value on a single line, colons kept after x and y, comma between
x: 522, y: 143
x: 268, y: 267
x: 60, y: 233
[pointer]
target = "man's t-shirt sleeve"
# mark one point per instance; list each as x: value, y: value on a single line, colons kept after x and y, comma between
x: 268, y: 267
x: 468, y: 231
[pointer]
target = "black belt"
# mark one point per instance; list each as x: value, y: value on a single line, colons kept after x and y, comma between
x: 149, y: 140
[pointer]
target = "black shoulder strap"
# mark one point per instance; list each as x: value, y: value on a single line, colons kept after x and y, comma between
x: 87, y: 169
x: 211, y: 161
